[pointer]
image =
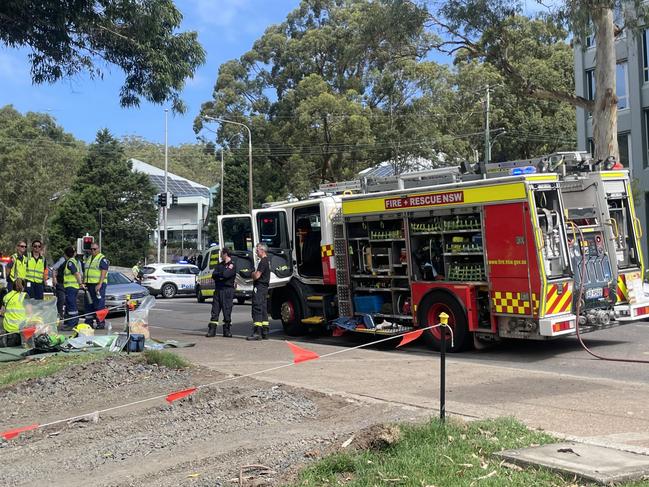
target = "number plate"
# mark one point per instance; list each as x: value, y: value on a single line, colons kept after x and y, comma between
x: 594, y: 293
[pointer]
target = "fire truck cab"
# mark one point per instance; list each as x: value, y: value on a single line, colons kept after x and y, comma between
x: 299, y: 236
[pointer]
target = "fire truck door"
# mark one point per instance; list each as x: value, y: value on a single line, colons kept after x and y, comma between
x: 236, y: 233
x: 507, y: 245
x: 271, y: 228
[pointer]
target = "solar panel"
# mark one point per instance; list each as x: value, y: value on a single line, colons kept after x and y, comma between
x: 178, y: 187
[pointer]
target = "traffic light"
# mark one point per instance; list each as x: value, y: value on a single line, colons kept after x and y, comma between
x: 174, y: 200
x: 162, y: 200
x: 87, y: 243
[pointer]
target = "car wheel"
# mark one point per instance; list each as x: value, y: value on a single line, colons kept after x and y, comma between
x: 199, y: 295
x: 168, y: 290
x: 430, y: 308
x: 241, y: 300
x: 291, y: 313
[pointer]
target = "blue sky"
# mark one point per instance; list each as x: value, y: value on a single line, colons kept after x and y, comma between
x: 227, y: 29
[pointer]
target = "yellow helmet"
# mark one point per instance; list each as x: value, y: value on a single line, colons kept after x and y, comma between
x: 82, y: 329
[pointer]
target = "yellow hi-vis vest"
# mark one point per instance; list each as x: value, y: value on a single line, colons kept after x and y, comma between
x: 15, y: 313
x: 35, y: 269
x: 18, y: 267
x: 91, y: 270
x: 69, y: 279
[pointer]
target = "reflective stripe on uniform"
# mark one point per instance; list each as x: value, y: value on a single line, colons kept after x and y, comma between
x: 14, y: 311
x: 18, y: 267
x: 35, y: 269
x: 91, y: 271
x: 69, y: 279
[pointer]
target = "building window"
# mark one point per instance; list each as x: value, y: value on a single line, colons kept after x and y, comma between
x: 621, y: 85
x: 645, y: 54
x: 590, y: 40
x: 624, y: 147
x: 590, y: 84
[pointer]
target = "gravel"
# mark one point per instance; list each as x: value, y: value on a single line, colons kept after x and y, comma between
x: 202, y: 440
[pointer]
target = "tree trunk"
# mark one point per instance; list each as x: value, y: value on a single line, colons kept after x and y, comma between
x: 605, y: 109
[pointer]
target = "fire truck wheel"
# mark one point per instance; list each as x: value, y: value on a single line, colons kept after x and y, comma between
x: 430, y: 309
x: 291, y: 313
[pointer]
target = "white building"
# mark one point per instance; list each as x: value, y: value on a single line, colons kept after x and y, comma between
x: 186, y: 221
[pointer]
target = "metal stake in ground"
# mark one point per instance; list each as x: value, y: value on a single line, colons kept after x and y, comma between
x: 128, y: 324
x: 443, y: 321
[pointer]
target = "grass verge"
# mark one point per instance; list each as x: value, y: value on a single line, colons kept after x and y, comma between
x: 167, y: 359
x: 434, y: 454
x: 12, y: 372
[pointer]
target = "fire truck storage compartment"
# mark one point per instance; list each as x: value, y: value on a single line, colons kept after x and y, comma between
x: 379, y: 267
x: 622, y: 224
x: 447, y: 245
x: 552, y: 240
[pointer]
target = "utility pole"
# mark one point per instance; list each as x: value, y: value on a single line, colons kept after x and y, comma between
x: 487, y: 134
x: 164, y: 211
x: 159, y: 239
x: 101, y: 226
x: 221, y: 187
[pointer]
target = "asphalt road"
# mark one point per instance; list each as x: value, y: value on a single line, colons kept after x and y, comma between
x: 564, y: 356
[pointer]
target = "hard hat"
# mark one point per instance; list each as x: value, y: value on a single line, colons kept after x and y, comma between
x: 82, y: 329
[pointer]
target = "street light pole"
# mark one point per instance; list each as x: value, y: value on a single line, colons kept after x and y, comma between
x: 216, y: 119
x: 221, y: 188
x: 182, y: 238
x: 166, y: 175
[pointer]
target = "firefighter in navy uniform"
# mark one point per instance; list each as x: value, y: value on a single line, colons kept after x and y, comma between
x: 223, y: 276
x: 261, y: 278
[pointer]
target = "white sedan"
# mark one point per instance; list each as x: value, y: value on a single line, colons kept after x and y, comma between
x: 168, y: 280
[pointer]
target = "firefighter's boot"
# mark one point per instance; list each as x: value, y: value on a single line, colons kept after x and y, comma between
x: 227, y: 330
x: 211, y: 331
x: 255, y: 333
x: 265, y: 331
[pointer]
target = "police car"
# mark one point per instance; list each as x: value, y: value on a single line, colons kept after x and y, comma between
x: 168, y: 280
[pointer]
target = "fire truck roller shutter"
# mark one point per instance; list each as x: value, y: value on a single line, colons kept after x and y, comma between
x: 429, y: 309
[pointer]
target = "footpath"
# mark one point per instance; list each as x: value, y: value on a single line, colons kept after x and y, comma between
x: 596, y: 411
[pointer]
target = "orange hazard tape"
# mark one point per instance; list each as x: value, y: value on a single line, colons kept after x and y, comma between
x: 11, y: 434
x: 411, y: 336
x: 299, y: 355
x: 174, y: 396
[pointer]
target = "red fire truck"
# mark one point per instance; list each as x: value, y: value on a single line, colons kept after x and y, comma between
x: 514, y: 253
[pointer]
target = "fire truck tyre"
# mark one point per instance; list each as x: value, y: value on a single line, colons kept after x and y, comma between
x: 168, y: 290
x: 291, y: 314
x: 199, y: 295
x: 241, y: 300
x: 430, y: 309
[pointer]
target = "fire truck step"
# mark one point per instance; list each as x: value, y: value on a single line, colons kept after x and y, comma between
x: 313, y: 320
x: 315, y: 297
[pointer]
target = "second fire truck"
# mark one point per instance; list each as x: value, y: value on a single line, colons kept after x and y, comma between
x: 518, y: 254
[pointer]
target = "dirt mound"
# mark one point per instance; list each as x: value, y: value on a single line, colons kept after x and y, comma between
x: 376, y: 437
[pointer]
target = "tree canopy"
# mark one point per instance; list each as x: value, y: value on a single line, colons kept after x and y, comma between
x: 67, y: 37
x: 344, y: 84
x: 38, y: 160
x: 497, y: 32
x: 106, y: 183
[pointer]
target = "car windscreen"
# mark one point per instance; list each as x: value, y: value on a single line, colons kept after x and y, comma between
x: 148, y: 270
x: 117, y: 278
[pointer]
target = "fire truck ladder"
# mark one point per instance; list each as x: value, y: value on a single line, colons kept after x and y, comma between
x: 343, y: 283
